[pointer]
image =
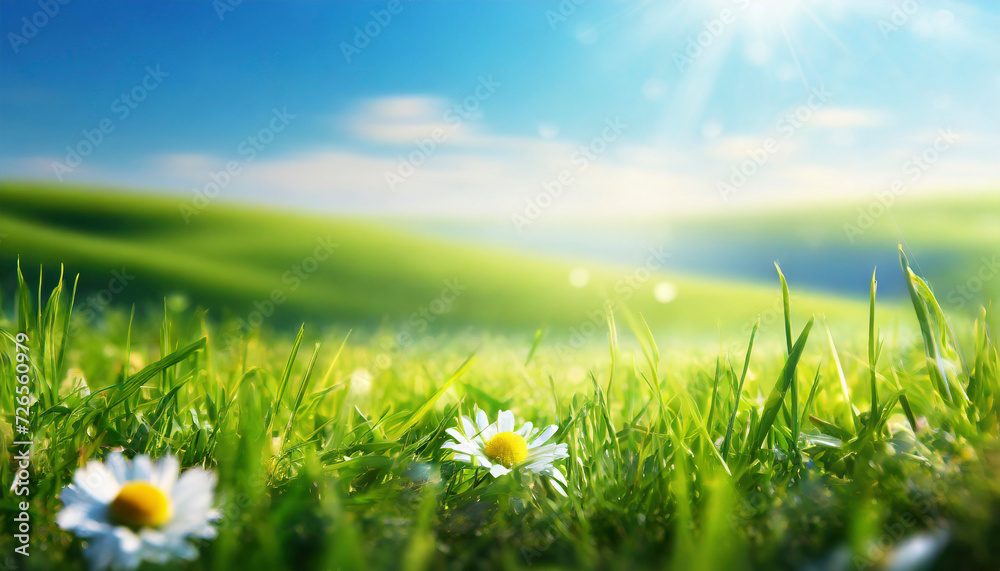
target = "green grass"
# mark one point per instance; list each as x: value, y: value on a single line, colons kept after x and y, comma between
x: 818, y: 449
x: 229, y: 257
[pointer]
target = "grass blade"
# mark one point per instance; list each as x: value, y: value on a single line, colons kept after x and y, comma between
x: 283, y: 383
x: 301, y: 392
x: 426, y: 407
x: 773, y: 403
x: 872, y: 356
x: 739, y: 392
x: 793, y: 415
x: 129, y: 387
x: 941, y: 356
x: 534, y: 346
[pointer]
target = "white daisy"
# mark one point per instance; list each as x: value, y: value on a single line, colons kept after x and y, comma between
x: 130, y: 511
x: 501, y: 449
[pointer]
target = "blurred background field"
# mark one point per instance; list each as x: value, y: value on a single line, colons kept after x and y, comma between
x: 715, y: 274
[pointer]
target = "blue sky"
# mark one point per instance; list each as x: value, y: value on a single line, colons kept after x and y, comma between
x: 480, y: 109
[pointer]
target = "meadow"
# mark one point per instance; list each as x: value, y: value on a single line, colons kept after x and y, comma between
x: 805, y: 448
x: 315, y: 363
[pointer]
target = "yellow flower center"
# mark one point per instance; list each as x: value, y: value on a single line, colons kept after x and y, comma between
x: 140, y: 504
x: 507, y: 448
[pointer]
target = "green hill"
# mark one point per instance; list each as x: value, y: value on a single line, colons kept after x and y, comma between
x: 239, y: 260
x: 952, y: 239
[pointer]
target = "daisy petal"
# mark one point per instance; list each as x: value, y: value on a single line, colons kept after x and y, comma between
x: 101, y: 551
x: 141, y: 469
x: 185, y: 550
x: 165, y: 473
x: 555, y: 486
x: 538, y: 467
x: 117, y: 466
x: 206, y: 531
x: 97, y: 481
x: 84, y: 522
x: 467, y: 427
x: 525, y: 430
x: 544, y: 436
x: 488, y: 433
x: 498, y: 470
x: 458, y: 436
x: 192, y: 498
x: 119, y: 548
x: 129, y: 548
x: 505, y: 421
x: 553, y: 451
x: 557, y: 474
x: 465, y: 448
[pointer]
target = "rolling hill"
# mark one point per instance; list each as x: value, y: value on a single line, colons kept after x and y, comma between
x: 238, y: 260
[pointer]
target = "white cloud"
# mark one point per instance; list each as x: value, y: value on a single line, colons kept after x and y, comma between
x: 319, y: 172
x: 474, y: 171
x: 738, y: 148
x: 845, y: 117
x: 403, y: 120
x: 733, y: 148
x: 479, y: 173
